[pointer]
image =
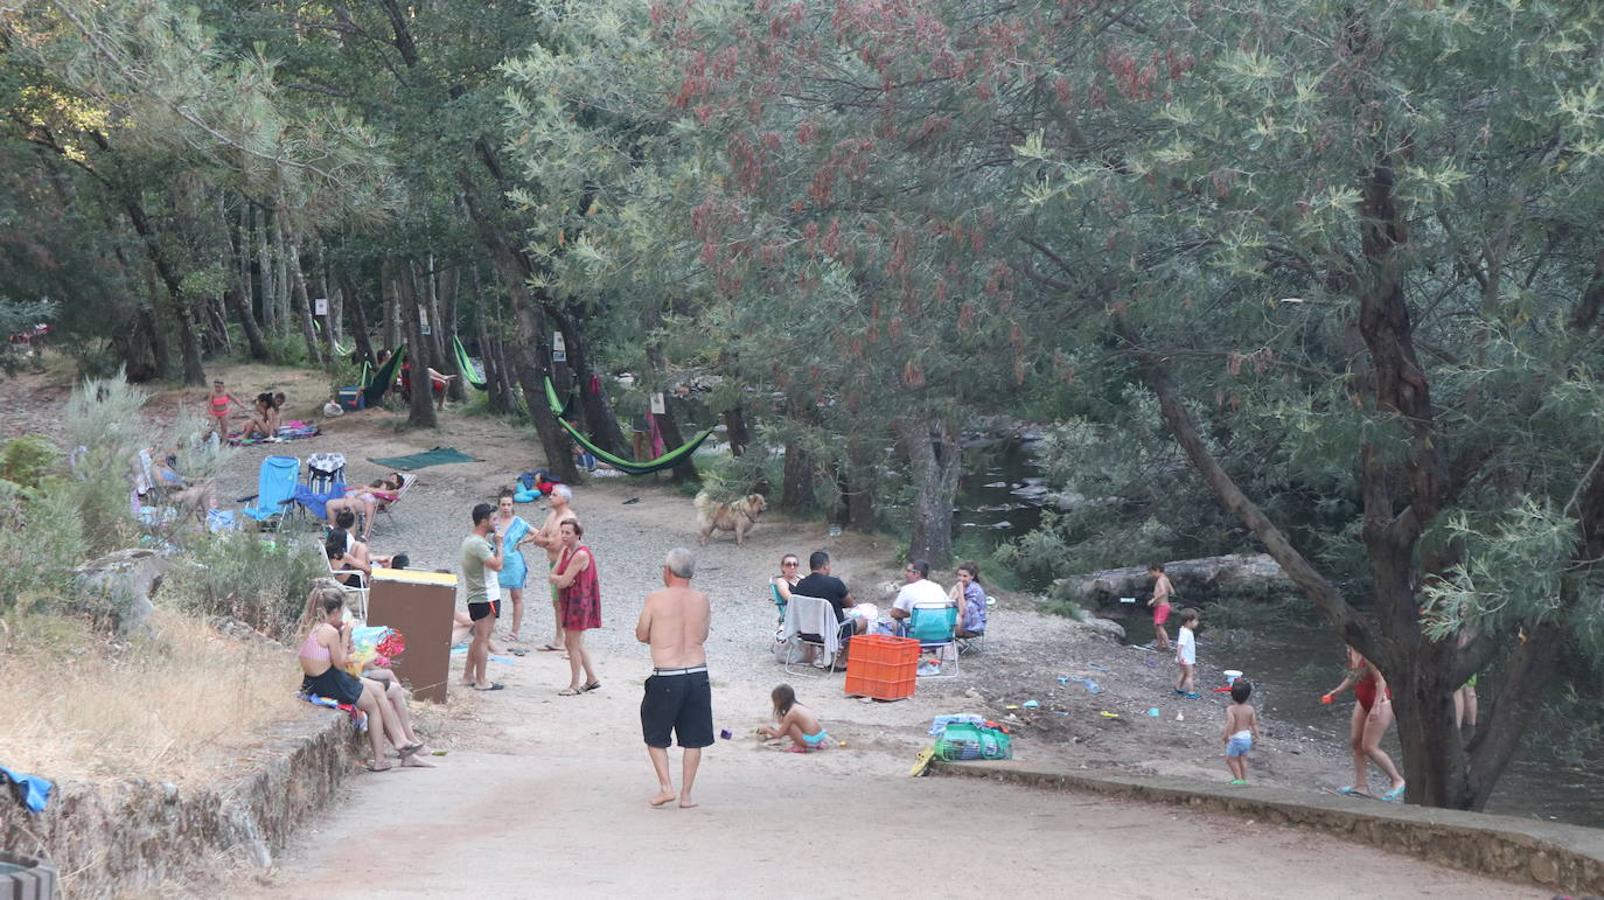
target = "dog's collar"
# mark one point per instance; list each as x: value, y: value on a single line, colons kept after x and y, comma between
x: 748, y: 516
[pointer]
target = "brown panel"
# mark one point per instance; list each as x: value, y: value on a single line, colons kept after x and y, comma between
x: 423, y: 613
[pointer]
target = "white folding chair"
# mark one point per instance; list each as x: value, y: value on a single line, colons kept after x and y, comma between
x: 358, y: 592
x: 810, y: 622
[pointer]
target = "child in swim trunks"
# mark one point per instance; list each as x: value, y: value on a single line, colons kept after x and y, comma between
x: 795, y: 721
x: 1162, y: 592
x: 1241, y: 730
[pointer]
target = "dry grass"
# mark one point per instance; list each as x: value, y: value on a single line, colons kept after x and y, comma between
x: 179, y: 707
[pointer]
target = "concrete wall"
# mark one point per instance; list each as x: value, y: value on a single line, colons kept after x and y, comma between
x: 116, y: 837
x: 1566, y: 858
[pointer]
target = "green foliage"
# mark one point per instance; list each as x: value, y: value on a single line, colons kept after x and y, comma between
x: 27, y: 460
x: 259, y: 582
x: 286, y: 350
x: 41, y: 541
x: 18, y: 317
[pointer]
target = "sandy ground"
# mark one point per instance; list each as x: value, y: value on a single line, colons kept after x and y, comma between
x: 541, y: 793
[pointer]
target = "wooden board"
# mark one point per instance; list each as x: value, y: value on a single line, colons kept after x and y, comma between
x: 420, y: 605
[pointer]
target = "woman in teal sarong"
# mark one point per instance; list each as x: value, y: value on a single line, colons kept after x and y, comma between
x: 515, y: 532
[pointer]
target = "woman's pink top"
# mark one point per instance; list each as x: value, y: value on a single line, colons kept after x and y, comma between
x: 314, y: 650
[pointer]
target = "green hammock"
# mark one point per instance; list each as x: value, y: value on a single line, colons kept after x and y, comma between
x: 465, y: 366
x: 383, y: 377
x: 560, y: 409
x: 628, y: 466
x: 339, y: 349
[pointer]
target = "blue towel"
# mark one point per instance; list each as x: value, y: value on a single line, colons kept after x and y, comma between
x: 317, y: 503
x: 31, y: 790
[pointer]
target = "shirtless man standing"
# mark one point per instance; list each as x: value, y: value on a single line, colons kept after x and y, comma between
x: 674, y: 621
x: 550, y: 536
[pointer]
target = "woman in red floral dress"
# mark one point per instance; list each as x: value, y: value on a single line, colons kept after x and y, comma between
x: 580, y: 595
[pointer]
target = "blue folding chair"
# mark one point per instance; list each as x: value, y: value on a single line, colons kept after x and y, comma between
x: 932, y: 625
x: 275, y: 489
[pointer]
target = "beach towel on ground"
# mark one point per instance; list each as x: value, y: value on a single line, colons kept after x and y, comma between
x: 289, y: 431
x: 437, y: 456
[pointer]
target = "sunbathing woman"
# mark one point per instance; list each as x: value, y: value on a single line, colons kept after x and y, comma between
x: 364, y: 500
x: 323, y: 656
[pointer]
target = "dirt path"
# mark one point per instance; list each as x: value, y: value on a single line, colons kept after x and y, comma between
x: 543, y: 793
x: 555, y: 801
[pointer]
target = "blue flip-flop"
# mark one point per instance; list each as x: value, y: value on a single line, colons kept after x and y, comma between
x: 1346, y: 790
x: 1394, y: 795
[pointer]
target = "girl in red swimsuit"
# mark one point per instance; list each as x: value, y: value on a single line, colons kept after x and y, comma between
x: 1372, y: 716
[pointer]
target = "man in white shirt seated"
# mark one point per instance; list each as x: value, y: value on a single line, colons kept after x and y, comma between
x: 919, y: 589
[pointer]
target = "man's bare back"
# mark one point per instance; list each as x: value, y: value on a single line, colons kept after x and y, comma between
x: 675, y: 622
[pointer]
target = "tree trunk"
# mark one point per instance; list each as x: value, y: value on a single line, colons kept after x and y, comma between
x: 188, y: 339
x: 796, y: 482
x: 685, y: 469
x: 315, y: 287
x: 863, y: 476
x: 600, y: 421
x: 936, y: 460
x: 297, y: 281
x: 238, y: 295
x: 450, y: 281
x: 264, y: 273
x: 532, y: 363
x: 420, y: 410
x: 735, y: 429
x: 359, y: 318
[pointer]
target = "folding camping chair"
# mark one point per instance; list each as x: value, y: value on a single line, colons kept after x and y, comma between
x: 810, y: 622
x: 931, y: 624
x: 357, y: 592
x: 407, y: 481
x: 275, y: 487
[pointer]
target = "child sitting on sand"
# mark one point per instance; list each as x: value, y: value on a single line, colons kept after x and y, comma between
x: 1241, y: 730
x: 795, y: 721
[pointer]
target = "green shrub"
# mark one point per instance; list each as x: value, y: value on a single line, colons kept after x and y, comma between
x: 262, y: 583
x: 287, y: 349
x: 27, y: 460
x: 41, y: 542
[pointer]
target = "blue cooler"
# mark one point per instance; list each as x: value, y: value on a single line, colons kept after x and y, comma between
x: 352, y: 398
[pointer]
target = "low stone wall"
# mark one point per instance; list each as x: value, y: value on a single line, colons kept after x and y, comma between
x: 116, y: 837
x: 1567, y: 858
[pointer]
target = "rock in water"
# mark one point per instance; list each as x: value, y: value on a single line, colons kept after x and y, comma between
x: 121, y: 587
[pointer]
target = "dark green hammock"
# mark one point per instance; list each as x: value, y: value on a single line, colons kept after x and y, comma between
x: 383, y: 378
x: 565, y: 408
x: 465, y: 366
x: 628, y: 466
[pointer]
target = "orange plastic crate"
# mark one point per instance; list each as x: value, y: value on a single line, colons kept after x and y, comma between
x: 882, y: 667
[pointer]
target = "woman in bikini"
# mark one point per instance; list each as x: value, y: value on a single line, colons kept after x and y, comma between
x: 323, y: 657
x: 364, y: 500
x: 580, y: 594
x: 1372, y: 716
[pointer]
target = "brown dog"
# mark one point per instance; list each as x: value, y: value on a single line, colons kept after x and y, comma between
x: 738, y: 516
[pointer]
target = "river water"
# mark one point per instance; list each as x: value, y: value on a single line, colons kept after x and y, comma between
x: 1000, y: 497
x: 1291, y: 665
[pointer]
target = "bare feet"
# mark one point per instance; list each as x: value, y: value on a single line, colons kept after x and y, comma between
x: 663, y: 798
x: 687, y: 803
x: 413, y: 761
